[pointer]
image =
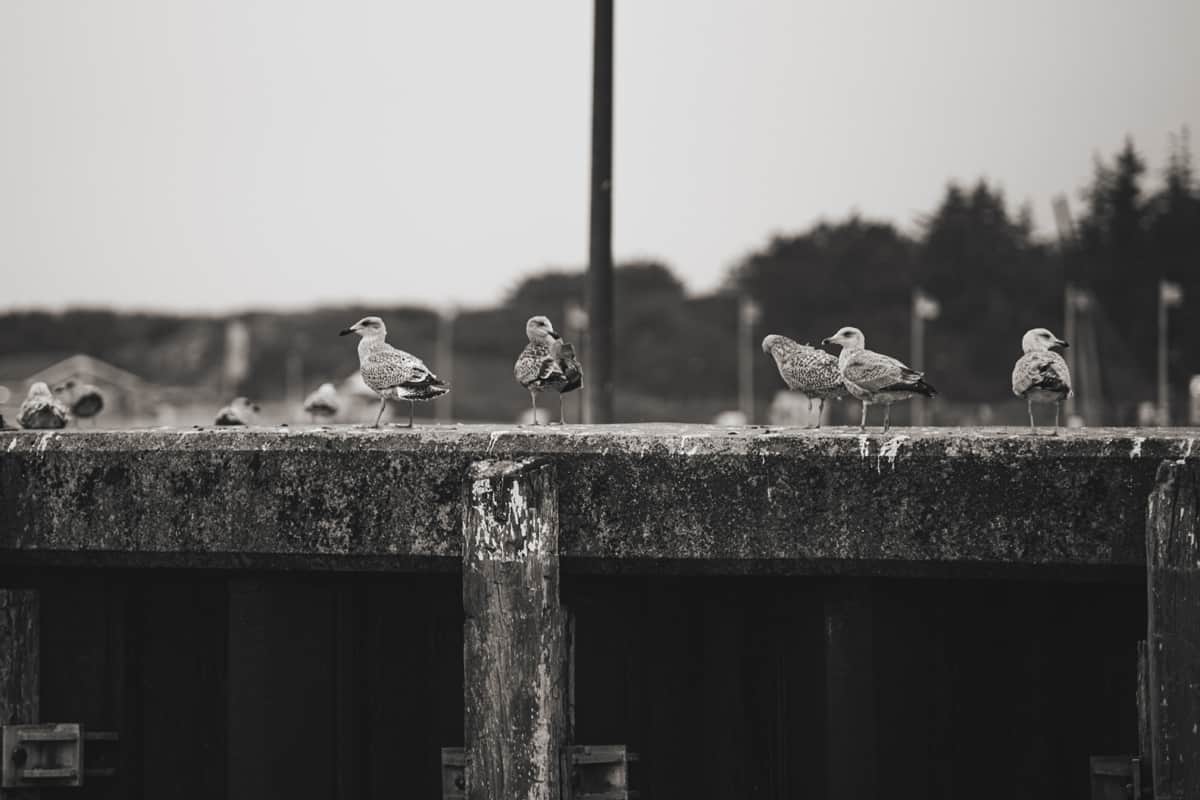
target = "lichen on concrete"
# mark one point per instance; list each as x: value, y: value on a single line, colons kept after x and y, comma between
x: 774, y: 498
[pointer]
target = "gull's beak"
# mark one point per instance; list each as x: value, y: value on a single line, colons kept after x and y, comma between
x: 348, y: 330
x: 555, y: 334
x: 256, y: 408
x: 824, y: 342
x: 1061, y: 344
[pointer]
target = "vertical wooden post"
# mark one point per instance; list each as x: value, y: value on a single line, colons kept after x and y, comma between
x: 1173, y: 635
x: 20, y: 657
x: 850, y: 705
x: 514, y: 643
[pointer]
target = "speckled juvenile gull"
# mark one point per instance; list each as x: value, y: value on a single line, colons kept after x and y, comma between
x: 875, y: 378
x: 1041, y: 375
x: 323, y: 403
x: 807, y: 370
x: 240, y: 412
x: 85, y: 400
x: 392, y: 374
x: 542, y: 366
x: 41, y: 411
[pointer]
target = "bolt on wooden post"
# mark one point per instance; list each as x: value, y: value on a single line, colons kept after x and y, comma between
x: 1173, y: 630
x: 514, y: 646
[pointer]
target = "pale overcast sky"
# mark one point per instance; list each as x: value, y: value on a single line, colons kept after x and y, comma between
x: 209, y: 155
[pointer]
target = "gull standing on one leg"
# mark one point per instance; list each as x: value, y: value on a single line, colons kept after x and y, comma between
x: 875, y: 378
x: 1041, y: 375
x: 807, y: 370
x: 540, y: 367
x: 392, y: 374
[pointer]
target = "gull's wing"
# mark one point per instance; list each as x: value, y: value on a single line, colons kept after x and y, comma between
x: 386, y: 368
x: 537, y: 366
x: 1041, y: 370
x: 876, y: 372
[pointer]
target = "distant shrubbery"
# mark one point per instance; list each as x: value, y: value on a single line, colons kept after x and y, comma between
x: 676, y: 359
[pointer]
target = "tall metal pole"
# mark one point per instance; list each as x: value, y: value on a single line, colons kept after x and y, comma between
x: 600, y: 261
x: 917, y: 339
x: 1071, y: 333
x: 1164, y: 414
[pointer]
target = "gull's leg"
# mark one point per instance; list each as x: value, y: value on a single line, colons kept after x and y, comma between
x: 411, y: 409
x: 1057, y: 408
x: 562, y: 413
x: 808, y: 424
x: 382, y: 406
x: 887, y: 417
x: 863, y: 426
x: 820, y: 411
x: 533, y: 399
x: 1032, y: 426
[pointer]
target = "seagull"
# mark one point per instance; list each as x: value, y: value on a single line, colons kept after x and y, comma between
x: 391, y: 373
x: 240, y: 412
x: 873, y: 377
x: 541, y: 365
x: 40, y: 410
x: 86, y: 400
x: 1041, y: 375
x: 807, y: 370
x: 323, y: 403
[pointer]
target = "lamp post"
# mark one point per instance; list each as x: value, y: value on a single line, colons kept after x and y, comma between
x: 924, y: 308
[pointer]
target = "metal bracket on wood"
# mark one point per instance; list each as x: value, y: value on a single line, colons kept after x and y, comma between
x: 597, y: 772
x: 600, y: 772
x: 50, y: 755
x: 1119, y: 778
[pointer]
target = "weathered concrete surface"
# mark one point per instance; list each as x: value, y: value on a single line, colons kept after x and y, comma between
x: 645, y: 496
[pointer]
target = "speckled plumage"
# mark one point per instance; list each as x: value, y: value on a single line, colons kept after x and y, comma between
x: 1040, y: 374
x: 538, y: 369
x: 41, y: 411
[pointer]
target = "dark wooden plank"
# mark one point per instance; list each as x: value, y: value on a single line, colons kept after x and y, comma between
x: 514, y: 654
x: 413, y: 674
x: 85, y: 676
x: 282, y: 689
x: 1173, y: 592
x: 184, y: 625
x: 723, y: 750
x: 850, y: 690
x: 20, y: 654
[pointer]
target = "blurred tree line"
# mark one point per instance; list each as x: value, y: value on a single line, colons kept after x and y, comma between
x: 975, y: 253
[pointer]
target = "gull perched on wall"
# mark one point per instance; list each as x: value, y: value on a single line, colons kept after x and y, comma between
x: 875, y: 378
x: 542, y: 365
x: 392, y: 374
x: 240, y: 412
x: 806, y: 370
x: 323, y: 403
x: 85, y: 400
x: 41, y: 411
x: 1041, y: 374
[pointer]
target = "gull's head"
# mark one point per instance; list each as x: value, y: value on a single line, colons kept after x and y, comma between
x: 769, y: 343
x: 40, y: 391
x: 1041, y: 339
x: 367, y: 327
x: 539, y: 329
x: 847, y: 337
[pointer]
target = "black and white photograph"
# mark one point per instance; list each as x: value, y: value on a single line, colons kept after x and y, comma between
x: 599, y: 400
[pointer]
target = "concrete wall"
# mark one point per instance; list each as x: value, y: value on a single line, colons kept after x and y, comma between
x: 632, y: 498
